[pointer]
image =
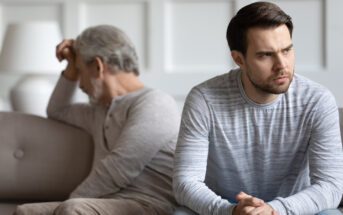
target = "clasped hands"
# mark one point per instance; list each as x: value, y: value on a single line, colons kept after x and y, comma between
x: 249, y: 205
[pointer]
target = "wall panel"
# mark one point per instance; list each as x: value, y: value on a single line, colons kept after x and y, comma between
x: 129, y: 16
x: 195, y: 36
x: 309, y: 33
x: 181, y: 43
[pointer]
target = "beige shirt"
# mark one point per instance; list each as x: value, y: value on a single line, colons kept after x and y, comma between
x: 134, y: 141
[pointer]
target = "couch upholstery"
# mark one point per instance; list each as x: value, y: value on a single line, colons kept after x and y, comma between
x: 42, y: 159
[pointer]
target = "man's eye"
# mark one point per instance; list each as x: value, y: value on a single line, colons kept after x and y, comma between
x: 286, y: 50
x: 265, y: 54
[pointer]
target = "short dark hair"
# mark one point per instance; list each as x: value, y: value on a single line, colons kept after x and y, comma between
x: 258, y: 14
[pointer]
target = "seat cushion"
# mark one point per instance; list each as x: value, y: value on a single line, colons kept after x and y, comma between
x: 7, y: 208
x: 41, y: 159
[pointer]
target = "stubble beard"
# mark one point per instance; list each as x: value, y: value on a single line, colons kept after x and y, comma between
x: 266, y: 87
x: 94, y: 99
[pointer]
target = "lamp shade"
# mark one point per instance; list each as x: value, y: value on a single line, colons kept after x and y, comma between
x: 29, y: 48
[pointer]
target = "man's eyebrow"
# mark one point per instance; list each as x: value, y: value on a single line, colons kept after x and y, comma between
x: 288, y: 47
x: 271, y: 52
x: 264, y: 52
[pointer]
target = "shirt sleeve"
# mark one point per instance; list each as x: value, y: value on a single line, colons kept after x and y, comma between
x: 325, y: 160
x: 191, y: 160
x: 151, y: 125
x: 61, y: 106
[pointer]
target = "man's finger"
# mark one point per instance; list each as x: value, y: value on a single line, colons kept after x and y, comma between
x: 247, y: 210
x: 67, y: 53
x: 252, y: 201
x: 258, y: 210
x: 61, y: 46
x: 241, y: 195
x: 275, y: 213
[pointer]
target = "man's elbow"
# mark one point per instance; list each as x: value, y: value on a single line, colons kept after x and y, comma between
x: 179, y: 189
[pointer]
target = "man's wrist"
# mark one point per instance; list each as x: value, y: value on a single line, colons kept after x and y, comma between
x: 278, y: 206
x: 69, y: 74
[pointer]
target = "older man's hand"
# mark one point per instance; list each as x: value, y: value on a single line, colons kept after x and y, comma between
x: 249, y: 205
x: 65, y: 50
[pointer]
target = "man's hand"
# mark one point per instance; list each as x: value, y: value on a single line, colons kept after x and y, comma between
x: 249, y: 205
x: 65, y: 50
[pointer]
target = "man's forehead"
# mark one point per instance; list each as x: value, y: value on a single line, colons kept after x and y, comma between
x: 268, y: 38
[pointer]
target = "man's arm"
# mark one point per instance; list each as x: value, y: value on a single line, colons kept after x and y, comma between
x: 152, y: 124
x: 60, y: 106
x: 191, y: 160
x: 326, y: 161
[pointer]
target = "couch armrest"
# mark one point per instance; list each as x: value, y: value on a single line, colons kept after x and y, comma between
x: 41, y: 159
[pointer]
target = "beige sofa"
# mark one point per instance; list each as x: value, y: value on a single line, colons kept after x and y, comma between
x: 42, y: 159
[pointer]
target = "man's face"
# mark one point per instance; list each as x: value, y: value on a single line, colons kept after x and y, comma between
x: 268, y: 65
x: 88, y: 82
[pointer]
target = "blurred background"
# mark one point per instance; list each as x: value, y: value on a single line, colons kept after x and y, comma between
x: 180, y: 43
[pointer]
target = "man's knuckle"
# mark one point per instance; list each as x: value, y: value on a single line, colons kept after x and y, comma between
x: 254, y: 199
x: 246, y: 210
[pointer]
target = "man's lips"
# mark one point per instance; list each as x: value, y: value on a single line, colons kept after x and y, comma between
x: 280, y: 79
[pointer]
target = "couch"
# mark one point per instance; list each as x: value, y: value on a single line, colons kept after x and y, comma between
x: 42, y: 159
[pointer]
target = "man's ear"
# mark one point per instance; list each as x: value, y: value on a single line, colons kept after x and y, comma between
x: 238, y: 57
x: 99, y: 65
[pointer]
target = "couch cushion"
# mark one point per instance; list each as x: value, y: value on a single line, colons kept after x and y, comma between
x: 41, y: 159
x: 7, y: 208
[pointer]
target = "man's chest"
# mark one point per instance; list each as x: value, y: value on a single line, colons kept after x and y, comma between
x: 249, y: 129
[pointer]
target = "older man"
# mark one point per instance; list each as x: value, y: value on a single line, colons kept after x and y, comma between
x: 259, y: 139
x: 134, y: 129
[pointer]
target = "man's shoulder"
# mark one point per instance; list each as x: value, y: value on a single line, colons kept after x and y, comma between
x: 220, y: 83
x: 304, y: 82
x: 306, y: 88
x: 154, y: 94
x: 151, y: 97
x: 305, y: 92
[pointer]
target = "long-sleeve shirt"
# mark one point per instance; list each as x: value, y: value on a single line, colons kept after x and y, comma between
x: 134, y: 142
x: 287, y: 152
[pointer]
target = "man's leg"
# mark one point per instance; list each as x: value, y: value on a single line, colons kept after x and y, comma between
x: 44, y: 208
x: 330, y: 212
x: 117, y: 206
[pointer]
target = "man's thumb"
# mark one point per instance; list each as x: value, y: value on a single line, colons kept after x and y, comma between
x: 241, y: 195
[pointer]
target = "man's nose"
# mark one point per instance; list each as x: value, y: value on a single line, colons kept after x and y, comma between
x: 280, y: 62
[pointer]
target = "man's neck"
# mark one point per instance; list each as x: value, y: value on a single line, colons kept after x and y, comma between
x: 121, y: 83
x: 255, y: 94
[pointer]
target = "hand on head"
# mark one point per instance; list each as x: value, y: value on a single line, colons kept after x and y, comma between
x: 249, y: 205
x: 65, y: 50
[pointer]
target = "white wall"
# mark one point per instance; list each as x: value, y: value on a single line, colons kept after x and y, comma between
x: 182, y: 42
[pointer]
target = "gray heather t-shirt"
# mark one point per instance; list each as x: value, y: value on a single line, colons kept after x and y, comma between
x: 287, y: 152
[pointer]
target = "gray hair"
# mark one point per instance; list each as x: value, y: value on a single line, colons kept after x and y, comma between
x: 109, y: 43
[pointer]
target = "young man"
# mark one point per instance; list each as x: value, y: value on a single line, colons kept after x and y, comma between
x: 134, y: 129
x: 259, y: 139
